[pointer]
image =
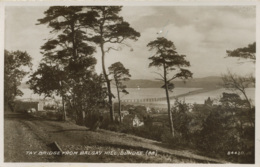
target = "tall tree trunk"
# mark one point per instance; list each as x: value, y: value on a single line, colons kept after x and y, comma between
x: 63, y: 109
x: 82, y: 113
x: 112, y: 118
x: 108, y: 84
x: 168, y: 101
x: 63, y: 104
x: 74, y: 47
x: 83, y: 117
x: 119, y: 101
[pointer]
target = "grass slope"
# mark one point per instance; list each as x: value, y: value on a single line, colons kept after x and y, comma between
x: 72, y: 138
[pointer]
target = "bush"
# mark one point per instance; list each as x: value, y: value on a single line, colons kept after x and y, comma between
x: 140, y: 111
x: 50, y: 115
x: 53, y: 115
x: 181, y: 119
x: 94, y: 120
x: 220, y: 135
x: 49, y: 107
x: 178, y: 141
x: 151, y: 132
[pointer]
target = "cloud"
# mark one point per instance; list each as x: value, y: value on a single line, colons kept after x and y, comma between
x: 134, y: 13
x: 202, y: 33
x: 22, y: 33
x: 135, y: 60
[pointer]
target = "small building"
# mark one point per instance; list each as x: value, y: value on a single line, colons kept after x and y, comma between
x: 208, y: 102
x: 23, y: 106
x: 137, y: 122
x: 124, y: 113
x: 148, y: 110
x: 40, y: 106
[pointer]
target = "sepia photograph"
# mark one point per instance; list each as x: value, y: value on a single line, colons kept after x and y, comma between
x: 162, y: 84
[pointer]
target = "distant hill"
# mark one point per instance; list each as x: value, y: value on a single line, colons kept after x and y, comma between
x: 207, y: 82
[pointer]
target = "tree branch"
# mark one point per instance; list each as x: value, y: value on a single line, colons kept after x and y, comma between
x: 110, y: 49
x: 174, y: 77
x: 159, y: 74
x: 117, y: 40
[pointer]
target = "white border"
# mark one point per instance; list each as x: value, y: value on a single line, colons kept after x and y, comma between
x: 2, y: 16
x: 257, y: 114
x: 131, y: 3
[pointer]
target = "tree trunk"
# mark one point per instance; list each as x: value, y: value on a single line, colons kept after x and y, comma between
x: 119, y: 101
x: 247, y: 100
x: 83, y: 117
x: 63, y: 109
x: 62, y: 100
x: 120, y: 116
x: 82, y: 113
x: 108, y: 83
x: 74, y: 47
x: 168, y: 101
x: 249, y: 110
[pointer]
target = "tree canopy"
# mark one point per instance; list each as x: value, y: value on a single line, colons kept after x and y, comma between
x: 248, y: 52
x: 17, y: 65
x: 68, y: 63
x: 120, y: 74
x: 167, y: 57
x: 109, y: 32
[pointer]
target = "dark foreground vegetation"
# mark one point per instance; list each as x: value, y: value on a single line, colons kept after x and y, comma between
x: 223, y: 130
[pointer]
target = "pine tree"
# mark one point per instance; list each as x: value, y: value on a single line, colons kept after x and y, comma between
x: 167, y: 58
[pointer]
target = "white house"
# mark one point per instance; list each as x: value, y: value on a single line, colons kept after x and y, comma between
x: 137, y: 122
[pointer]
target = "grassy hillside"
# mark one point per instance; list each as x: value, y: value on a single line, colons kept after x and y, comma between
x: 37, y: 134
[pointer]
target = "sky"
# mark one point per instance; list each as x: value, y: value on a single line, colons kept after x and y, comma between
x: 203, y: 34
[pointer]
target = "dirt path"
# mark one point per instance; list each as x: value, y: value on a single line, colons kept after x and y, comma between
x: 18, y: 139
x: 26, y: 136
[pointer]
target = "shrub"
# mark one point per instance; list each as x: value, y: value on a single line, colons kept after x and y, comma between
x: 178, y: 141
x: 181, y: 119
x: 94, y: 120
x: 49, y: 107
